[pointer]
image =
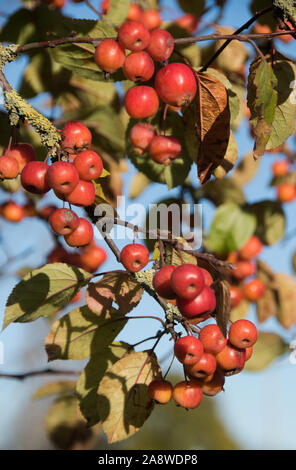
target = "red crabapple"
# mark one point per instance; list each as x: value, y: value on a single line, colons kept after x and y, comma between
x: 141, y: 135
x: 109, y: 55
x: 164, y: 149
x: 133, y: 35
x: 161, y: 45
x: 176, y: 84
x: 82, y: 236
x: 141, y: 102
x: 188, y: 350
x: 134, y: 257
x: 187, y: 281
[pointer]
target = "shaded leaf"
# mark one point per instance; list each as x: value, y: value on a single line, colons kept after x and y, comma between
x: 269, y: 346
x: 138, y: 184
x: 229, y: 159
x: 245, y: 170
x: 223, y: 191
x: 117, y: 11
x: 271, y: 221
x: 192, y: 7
x: 223, y: 305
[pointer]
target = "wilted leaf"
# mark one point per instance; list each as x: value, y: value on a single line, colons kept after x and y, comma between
x: 266, y: 306
x: 55, y: 388
x: 88, y: 381
x: 271, y: 221
x: 269, y: 346
x: 117, y: 286
x: 231, y: 228
x: 124, y: 404
x: 44, y: 291
x: 81, y: 333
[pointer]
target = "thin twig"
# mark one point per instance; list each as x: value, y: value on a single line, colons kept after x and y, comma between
x: 39, y: 372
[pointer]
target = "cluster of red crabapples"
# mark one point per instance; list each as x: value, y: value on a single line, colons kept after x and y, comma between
x: 174, y: 84
x: 245, y: 267
x: 286, y: 187
x: 71, y: 179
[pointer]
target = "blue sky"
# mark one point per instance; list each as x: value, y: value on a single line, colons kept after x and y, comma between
x: 257, y: 408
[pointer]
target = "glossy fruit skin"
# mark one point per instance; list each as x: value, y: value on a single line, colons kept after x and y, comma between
x: 243, y: 334
x: 187, y: 281
x: 82, y: 236
x: 188, y: 22
x: 251, y: 248
x: 83, y: 194
x: 236, y: 296
x: 34, y: 177
x: 12, y: 212
x: 109, y: 55
x: 133, y: 35
x: 207, y: 276
x: 9, y: 167
x: 141, y: 135
x: 280, y: 168
x: 204, y: 367
x: 213, y: 386
x: 134, y: 257
x: 254, y: 290
x: 212, y: 339
x: 138, y: 66
x: 160, y: 390
x: 164, y: 150
x: 92, y: 257
x: 151, y: 19
x: 135, y: 12
x: 188, y: 350
x: 231, y: 360
x: 188, y: 394
x: 22, y: 152
x: 62, y: 177
x: 141, y: 102
x: 63, y: 221
x: 244, y: 269
x: 249, y: 352
x: 286, y: 192
x: 89, y: 165
x: 175, y: 84
x: 76, y: 135
x: 162, y: 282
x: 202, y: 305
x: 161, y: 45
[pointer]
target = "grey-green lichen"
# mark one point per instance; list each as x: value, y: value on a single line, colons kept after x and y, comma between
x: 285, y: 9
x: 7, y: 54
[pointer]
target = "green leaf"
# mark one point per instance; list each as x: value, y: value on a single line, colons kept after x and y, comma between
x: 231, y: 228
x: 262, y: 101
x: 81, y: 333
x: 271, y: 221
x: 19, y: 28
x: 88, y: 381
x: 268, y: 347
x: 44, y: 291
x: 223, y: 191
x: 192, y: 7
x: 118, y: 11
x: 240, y: 311
x: 174, y: 174
x: 257, y: 5
x: 123, y: 401
x: 55, y: 388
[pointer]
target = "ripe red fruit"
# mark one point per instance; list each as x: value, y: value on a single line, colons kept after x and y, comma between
x: 188, y: 394
x: 204, y: 367
x: 286, y: 192
x: 175, y: 84
x: 208, y: 278
x: 164, y: 150
x: 214, y: 385
x: 243, y: 334
x: 46, y: 211
x: 22, y: 152
x: 212, y: 339
x: 187, y: 281
x: 58, y: 255
x: 138, y: 67
x: 12, y: 211
x: 280, y: 168
x: 231, y: 359
x: 92, y: 257
x: 286, y: 38
x: 62, y: 177
x: 160, y: 390
x: 89, y: 165
x: 188, y: 22
x: 251, y: 248
x: 105, y: 5
x: 9, y: 167
x: 82, y: 195
x: 249, y: 352
x: 56, y: 3
x: 151, y: 19
x: 63, y: 221
x: 202, y: 305
x: 161, y: 45
x: 34, y: 177
x: 236, y: 296
x: 141, y: 135
x: 244, y: 269
x: 162, y: 282
x: 254, y: 289
x: 133, y: 35
x: 135, y: 12
x: 134, y: 257
x: 76, y: 135
x: 141, y: 102
x: 83, y: 234
x: 109, y: 55
x: 188, y: 350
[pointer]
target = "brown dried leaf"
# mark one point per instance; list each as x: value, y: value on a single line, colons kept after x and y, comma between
x: 266, y: 306
x: 212, y: 124
x: 222, y: 312
x: 116, y: 286
x: 286, y: 291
